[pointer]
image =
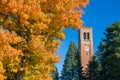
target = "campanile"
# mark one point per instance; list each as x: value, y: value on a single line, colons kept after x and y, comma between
x: 85, y: 45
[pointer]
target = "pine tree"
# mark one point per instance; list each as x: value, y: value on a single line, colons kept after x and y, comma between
x: 55, y: 74
x: 94, y: 66
x: 98, y: 56
x: 99, y: 53
x: 111, y: 53
x: 71, y: 64
x: 92, y: 70
x: 105, y: 64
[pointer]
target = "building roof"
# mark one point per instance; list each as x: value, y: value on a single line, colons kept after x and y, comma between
x: 85, y: 27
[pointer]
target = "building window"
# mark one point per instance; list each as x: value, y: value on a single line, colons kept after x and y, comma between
x: 84, y: 35
x: 88, y: 36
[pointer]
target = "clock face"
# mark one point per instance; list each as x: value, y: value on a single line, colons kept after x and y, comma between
x: 86, y: 48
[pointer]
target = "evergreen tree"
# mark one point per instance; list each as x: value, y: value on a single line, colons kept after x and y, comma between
x: 92, y: 70
x: 71, y: 64
x: 98, y: 56
x: 94, y: 66
x: 80, y: 71
x: 110, y: 60
x: 54, y: 74
x: 99, y: 53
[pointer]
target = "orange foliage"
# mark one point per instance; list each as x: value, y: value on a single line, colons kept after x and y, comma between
x: 9, y: 56
x: 37, y: 26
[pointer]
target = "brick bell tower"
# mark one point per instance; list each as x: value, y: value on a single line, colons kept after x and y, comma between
x: 85, y: 45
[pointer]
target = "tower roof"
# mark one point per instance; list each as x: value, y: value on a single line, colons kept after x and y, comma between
x: 86, y: 27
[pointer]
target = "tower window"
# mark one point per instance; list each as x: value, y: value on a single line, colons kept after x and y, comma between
x: 84, y: 35
x: 88, y: 36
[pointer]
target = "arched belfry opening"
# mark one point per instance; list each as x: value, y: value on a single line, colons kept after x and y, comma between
x: 84, y: 36
x: 88, y: 36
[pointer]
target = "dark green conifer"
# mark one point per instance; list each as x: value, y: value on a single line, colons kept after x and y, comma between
x: 93, y: 70
x: 110, y: 60
x: 55, y: 74
x: 71, y: 64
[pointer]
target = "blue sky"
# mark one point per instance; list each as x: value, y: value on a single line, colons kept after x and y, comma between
x: 99, y: 14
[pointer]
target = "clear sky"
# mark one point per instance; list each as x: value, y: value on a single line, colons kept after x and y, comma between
x: 98, y: 15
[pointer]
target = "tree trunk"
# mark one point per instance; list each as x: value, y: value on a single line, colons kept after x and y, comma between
x: 19, y: 76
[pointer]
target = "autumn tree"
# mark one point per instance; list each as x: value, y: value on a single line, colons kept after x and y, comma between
x: 9, y: 56
x: 31, y: 31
